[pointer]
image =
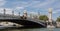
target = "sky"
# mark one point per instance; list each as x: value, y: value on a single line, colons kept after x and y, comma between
x: 32, y: 6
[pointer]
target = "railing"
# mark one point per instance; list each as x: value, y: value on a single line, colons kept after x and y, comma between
x: 8, y: 16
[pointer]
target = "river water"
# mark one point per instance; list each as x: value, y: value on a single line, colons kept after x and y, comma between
x: 32, y: 29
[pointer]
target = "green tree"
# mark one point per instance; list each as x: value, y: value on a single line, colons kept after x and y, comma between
x: 43, y: 17
x: 58, y: 19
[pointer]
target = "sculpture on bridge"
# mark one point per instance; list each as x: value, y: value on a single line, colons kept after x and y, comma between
x: 25, y: 14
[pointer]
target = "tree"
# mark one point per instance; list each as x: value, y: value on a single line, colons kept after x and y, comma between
x: 58, y: 19
x: 43, y: 17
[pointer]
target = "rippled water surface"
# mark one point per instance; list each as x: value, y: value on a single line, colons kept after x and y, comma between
x: 32, y: 29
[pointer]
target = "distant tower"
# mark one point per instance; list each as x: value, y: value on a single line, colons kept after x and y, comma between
x: 50, y: 14
x: 25, y: 14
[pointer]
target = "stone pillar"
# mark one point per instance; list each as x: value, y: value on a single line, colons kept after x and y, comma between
x: 50, y: 15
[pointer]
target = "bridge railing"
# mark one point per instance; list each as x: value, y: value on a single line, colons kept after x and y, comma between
x: 35, y: 19
x: 8, y: 16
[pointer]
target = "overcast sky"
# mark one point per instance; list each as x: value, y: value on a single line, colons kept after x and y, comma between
x: 31, y: 6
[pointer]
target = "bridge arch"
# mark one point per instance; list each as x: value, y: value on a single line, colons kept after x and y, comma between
x: 26, y: 23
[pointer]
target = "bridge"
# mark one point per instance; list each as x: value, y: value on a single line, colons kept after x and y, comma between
x: 26, y: 22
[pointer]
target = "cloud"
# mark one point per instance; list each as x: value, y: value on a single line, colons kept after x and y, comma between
x: 56, y: 11
x: 26, y: 4
x: 2, y: 2
x: 1, y: 10
x: 43, y: 4
x: 19, y: 8
x: 16, y: 14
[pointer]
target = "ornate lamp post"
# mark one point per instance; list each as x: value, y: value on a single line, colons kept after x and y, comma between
x: 4, y: 11
x: 13, y: 13
x: 5, y: 15
x: 19, y: 13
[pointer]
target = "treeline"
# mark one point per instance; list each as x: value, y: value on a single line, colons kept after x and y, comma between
x: 45, y: 18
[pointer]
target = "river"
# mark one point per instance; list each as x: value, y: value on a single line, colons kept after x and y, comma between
x: 32, y: 29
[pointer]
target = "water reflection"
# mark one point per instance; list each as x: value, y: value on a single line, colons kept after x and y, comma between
x: 33, y: 29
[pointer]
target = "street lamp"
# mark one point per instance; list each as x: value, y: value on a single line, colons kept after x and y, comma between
x: 19, y: 13
x: 4, y: 11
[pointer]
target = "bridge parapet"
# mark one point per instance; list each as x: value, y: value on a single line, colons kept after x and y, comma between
x: 8, y: 16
